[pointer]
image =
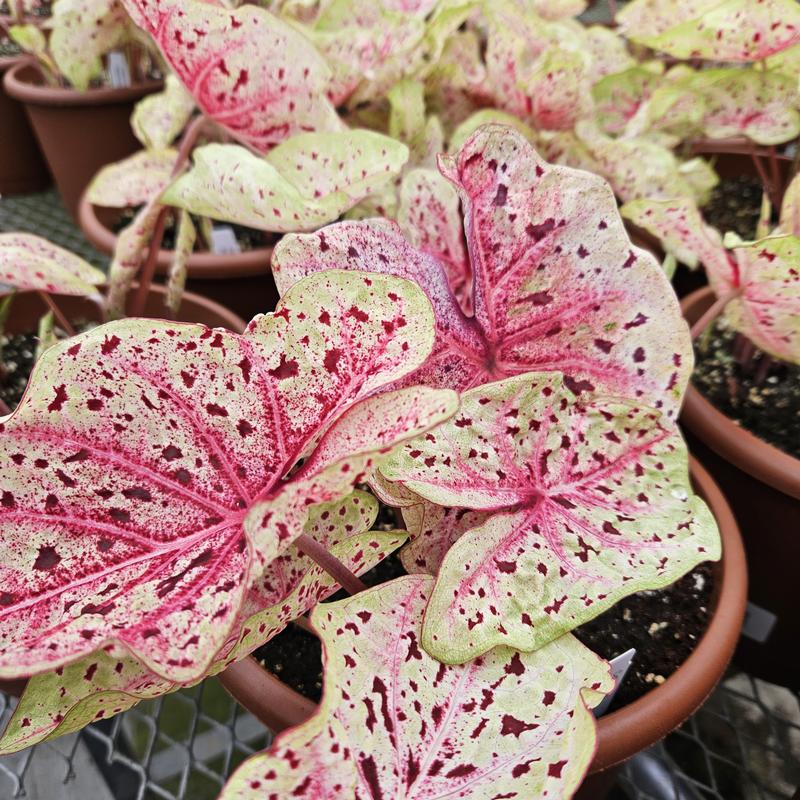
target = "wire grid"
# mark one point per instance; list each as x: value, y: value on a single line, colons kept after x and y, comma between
x: 743, y: 745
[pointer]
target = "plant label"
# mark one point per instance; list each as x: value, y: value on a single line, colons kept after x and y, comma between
x: 758, y: 623
x: 223, y: 240
x: 119, y: 73
x: 619, y: 669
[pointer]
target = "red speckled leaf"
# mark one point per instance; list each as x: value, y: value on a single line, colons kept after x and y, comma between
x: 134, y: 180
x: 262, y: 100
x: 30, y: 262
x: 396, y: 723
x: 593, y: 503
x: 144, y: 473
x: 103, y: 684
x: 732, y: 30
x: 556, y: 282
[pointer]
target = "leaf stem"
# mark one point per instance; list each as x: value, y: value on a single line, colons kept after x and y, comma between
x: 61, y: 319
x: 338, y: 571
x: 146, y: 277
x: 766, y: 183
x: 713, y: 312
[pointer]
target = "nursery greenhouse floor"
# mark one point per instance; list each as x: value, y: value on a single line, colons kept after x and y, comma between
x: 744, y: 744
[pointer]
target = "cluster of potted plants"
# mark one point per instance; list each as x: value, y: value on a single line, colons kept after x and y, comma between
x: 461, y: 337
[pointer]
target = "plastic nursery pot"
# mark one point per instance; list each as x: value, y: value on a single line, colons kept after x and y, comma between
x: 240, y: 281
x: 763, y: 484
x: 622, y: 733
x: 22, y: 166
x: 79, y: 132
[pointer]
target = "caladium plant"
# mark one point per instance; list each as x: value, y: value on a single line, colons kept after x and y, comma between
x: 556, y: 283
x: 201, y: 427
x: 756, y: 283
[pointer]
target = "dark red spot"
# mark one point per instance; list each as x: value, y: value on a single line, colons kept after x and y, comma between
x: 286, y: 369
x: 170, y: 453
x: 554, y: 770
x: 94, y: 404
x: 244, y: 428
x: 216, y: 410
x: 358, y: 314
x: 515, y: 727
x: 47, y: 558
x: 59, y: 399
x: 332, y: 359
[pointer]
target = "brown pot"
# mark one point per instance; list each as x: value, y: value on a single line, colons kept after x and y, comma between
x: 241, y: 281
x: 79, y: 132
x: 622, y: 733
x: 763, y: 484
x: 28, y: 307
x: 22, y: 167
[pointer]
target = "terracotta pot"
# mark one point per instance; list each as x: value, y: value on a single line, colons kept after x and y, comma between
x: 79, y: 132
x: 622, y: 733
x: 763, y: 484
x: 242, y: 281
x: 22, y: 167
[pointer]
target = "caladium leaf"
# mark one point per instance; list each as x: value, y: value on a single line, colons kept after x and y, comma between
x: 556, y: 282
x: 761, y: 105
x: 430, y: 216
x: 790, y: 209
x: 309, y: 180
x: 32, y: 40
x: 396, y: 723
x: 592, y: 502
x: 133, y: 181
x: 104, y: 683
x: 407, y: 110
x: 154, y: 453
x: 558, y: 9
x: 434, y: 529
x: 767, y: 310
x: 607, y: 50
x: 732, y: 30
x: 81, y: 32
x: 261, y: 101
x: 619, y: 97
x: 679, y: 226
x: 178, y: 269
x: 159, y: 118
x: 558, y: 89
x: 31, y: 262
x: 487, y: 116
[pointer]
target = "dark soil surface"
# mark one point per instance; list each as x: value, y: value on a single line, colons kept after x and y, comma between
x: 17, y: 357
x: 763, y: 396
x: 735, y: 205
x: 248, y: 238
x: 664, y: 627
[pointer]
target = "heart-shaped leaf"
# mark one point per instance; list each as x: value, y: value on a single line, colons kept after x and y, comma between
x: 556, y: 282
x: 731, y: 30
x: 309, y: 180
x: 30, y: 262
x: 133, y: 181
x: 394, y: 722
x: 263, y: 100
x: 593, y: 503
x: 107, y: 682
x: 147, y: 473
x: 159, y: 118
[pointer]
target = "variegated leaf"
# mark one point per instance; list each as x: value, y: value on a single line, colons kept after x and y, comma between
x: 394, y: 722
x: 556, y: 282
x: 309, y: 180
x: 178, y: 269
x: 727, y: 30
x: 133, y: 467
x: 487, y: 116
x: 263, y: 100
x: 31, y: 262
x: 592, y: 502
x: 159, y: 118
x: 134, y: 181
x: 104, y: 683
x: 619, y: 97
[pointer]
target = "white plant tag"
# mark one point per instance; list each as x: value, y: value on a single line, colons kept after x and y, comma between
x: 223, y: 240
x: 119, y: 73
x: 619, y: 669
x: 758, y: 623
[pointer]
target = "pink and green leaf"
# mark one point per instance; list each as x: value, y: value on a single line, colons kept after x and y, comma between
x: 592, y: 502
x: 394, y: 722
x: 141, y: 447
x: 732, y: 30
x: 159, y: 118
x: 31, y: 262
x: 178, y: 270
x: 308, y: 181
x: 134, y: 181
x: 556, y: 282
x: 260, y: 101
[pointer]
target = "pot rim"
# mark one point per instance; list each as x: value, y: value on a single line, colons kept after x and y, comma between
x: 202, y: 266
x: 733, y: 145
x: 752, y: 455
x: 19, y: 83
x: 622, y: 733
